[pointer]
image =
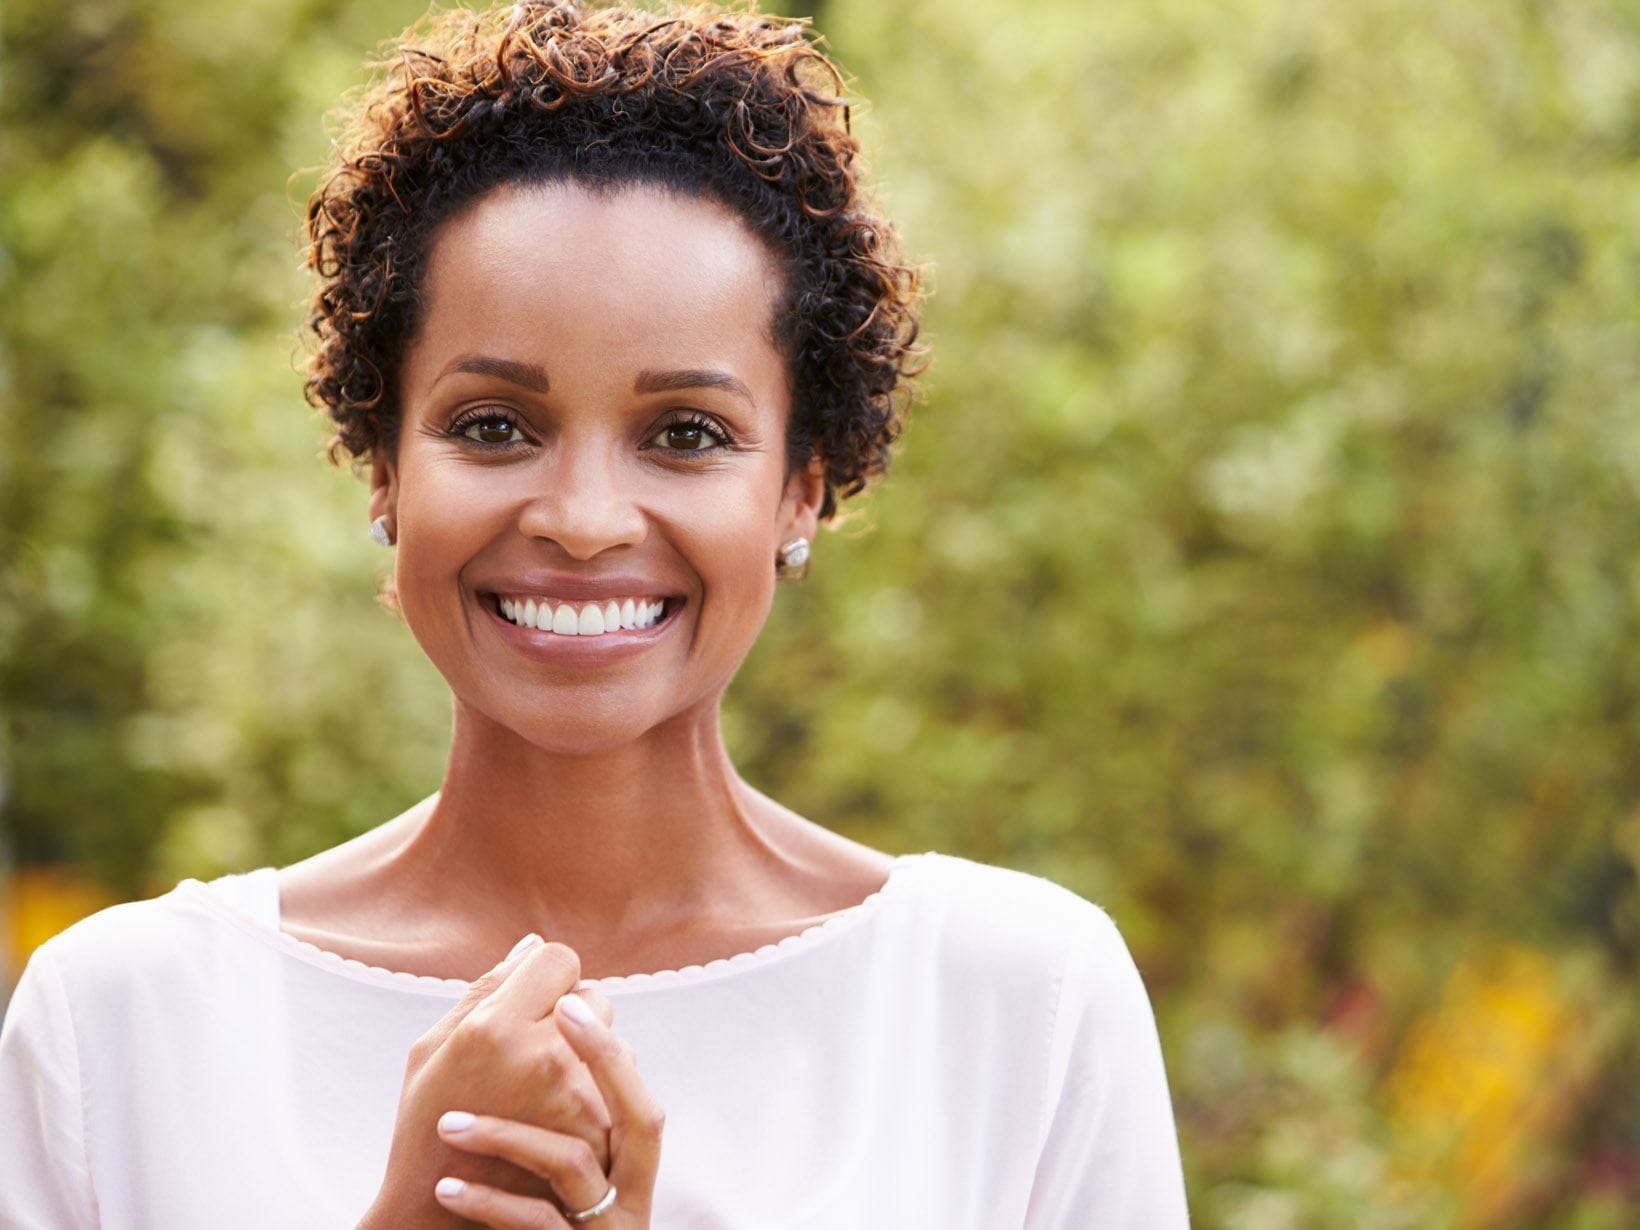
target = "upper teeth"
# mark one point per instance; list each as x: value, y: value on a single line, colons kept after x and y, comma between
x: 582, y: 619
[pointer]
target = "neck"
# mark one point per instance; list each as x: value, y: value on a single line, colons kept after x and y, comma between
x: 618, y: 840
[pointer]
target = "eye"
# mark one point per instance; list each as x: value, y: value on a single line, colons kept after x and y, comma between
x: 489, y: 428
x: 690, y: 434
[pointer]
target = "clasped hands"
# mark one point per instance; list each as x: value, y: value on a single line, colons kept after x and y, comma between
x: 520, y: 1105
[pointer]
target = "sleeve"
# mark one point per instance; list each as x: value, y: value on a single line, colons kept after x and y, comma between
x: 1111, y: 1157
x: 45, y: 1183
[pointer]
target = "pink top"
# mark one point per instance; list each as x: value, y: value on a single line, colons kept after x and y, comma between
x: 968, y: 1048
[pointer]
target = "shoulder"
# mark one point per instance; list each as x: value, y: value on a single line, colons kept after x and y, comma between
x: 1016, y: 925
x: 974, y: 883
x: 105, y: 960
x: 1013, y: 909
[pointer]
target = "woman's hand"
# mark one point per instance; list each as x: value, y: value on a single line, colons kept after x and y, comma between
x: 565, y: 1162
x: 500, y: 1051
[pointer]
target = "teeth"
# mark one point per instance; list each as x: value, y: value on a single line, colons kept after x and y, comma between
x: 589, y: 619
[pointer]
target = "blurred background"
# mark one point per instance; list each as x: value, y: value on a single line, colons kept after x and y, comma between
x: 1263, y: 562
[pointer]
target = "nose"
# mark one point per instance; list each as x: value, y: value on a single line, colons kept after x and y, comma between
x: 585, y: 503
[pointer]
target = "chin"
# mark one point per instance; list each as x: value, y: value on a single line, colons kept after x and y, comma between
x: 590, y: 721
x: 594, y: 739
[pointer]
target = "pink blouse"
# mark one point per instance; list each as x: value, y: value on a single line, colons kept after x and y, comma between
x: 968, y: 1048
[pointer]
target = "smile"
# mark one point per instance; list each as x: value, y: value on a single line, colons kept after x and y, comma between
x: 567, y: 618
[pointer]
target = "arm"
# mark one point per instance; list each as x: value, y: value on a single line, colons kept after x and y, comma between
x: 45, y: 1183
x: 1111, y: 1157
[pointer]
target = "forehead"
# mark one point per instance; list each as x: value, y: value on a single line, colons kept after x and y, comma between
x: 634, y: 278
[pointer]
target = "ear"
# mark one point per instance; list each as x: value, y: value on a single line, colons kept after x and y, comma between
x: 800, y: 508
x: 384, y: 487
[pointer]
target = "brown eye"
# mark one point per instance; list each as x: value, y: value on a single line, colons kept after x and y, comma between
x: 491, y: 429
x: 688, y: 436
x: 685, y: 435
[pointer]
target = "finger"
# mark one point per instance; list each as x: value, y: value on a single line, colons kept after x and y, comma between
x: 531, y: 989
x: 567, y: 1162
x: 596, y: 1001
x: 635, y: 1138
x: 480, y: 990
x: 490, y: 1206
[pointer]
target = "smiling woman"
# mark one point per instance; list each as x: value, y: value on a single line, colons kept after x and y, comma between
x: 604, y: 306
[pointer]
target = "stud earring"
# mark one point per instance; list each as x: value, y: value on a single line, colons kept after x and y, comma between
x: 792, y: 562
x: 380, y: 533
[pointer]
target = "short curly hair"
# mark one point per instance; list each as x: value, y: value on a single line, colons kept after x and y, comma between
x: 734, y: 106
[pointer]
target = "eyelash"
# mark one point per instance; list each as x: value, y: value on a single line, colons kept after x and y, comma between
x: 709, y: 427
x: 484, y: 414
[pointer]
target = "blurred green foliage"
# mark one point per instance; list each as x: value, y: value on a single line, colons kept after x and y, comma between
x: 1263, y: 562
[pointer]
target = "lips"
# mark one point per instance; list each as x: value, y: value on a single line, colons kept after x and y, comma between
x: 565, y: 619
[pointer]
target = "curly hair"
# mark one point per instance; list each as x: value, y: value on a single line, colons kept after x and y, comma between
x: 735, y: 106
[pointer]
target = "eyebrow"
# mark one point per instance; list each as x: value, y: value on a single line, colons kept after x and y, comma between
x: 526, y: 375
x: 534, y: 377
x: 691, y: 378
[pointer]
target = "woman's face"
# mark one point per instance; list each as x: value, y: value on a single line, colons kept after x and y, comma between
x: 594, y: 422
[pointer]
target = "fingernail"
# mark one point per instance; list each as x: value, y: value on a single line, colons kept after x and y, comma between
x: 523, y: 945
x: 455, y: 1121
x: 449, y: 1187
x: 577, y: 1009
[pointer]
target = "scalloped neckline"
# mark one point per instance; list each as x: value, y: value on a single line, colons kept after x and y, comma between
x: 718, y: 967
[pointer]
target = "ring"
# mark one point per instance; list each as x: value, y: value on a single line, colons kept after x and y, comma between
x: 601, y: 1207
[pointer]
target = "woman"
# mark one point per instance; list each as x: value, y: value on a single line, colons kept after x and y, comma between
x: 603, y: 302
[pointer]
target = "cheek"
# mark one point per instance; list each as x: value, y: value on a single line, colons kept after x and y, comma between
x: 730, y: 541
x: 443, y: 522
